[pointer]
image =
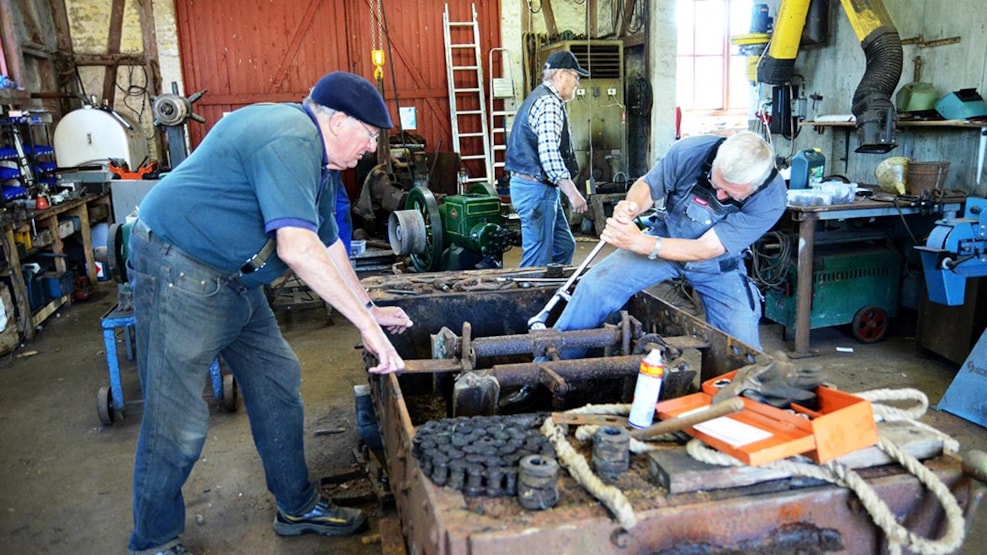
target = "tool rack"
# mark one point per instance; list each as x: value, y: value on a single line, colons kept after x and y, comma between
x: 85, y: 210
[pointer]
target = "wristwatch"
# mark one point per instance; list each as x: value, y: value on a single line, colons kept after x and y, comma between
x: 656, y: 250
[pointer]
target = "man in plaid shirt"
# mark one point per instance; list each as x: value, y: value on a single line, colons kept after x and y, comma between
x: 542, y: 163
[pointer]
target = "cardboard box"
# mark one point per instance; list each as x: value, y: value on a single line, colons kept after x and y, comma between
x: 10, y: 336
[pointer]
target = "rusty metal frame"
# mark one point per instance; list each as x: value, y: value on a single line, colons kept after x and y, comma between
x: 784, y: 515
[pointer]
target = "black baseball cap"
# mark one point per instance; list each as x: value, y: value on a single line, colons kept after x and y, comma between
x: 563, y: 59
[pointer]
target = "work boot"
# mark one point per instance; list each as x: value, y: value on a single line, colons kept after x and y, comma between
x: 325, y: 519
x: 177, y: 549
x: 519, y: 397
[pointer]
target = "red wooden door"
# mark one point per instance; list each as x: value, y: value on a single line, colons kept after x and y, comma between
x: 248, y: 52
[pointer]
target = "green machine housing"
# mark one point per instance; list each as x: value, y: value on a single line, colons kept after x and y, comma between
x: 466, y: 231
x: 475, y: 229
x: 858, y: 287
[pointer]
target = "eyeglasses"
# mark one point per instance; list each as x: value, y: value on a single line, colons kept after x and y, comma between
x: 372, y: 135
x: 574, y: 74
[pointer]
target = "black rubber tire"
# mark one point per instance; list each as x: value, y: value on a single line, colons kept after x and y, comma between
x: 104, y: 406
x: 231, y: 393
x: 870, y: 324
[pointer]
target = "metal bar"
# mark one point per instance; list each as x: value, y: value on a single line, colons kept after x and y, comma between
x: 536, y: 341
x: 538, y: 320
x: 807, y: 232
x: 576, y: 370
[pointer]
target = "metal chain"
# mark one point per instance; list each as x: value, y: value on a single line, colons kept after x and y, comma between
x: 377, y: 31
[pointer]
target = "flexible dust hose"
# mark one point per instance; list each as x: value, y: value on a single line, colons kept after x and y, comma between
x: 882, y: 49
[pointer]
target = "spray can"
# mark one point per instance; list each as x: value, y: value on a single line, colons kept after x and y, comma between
x: 647, y: 389
x: 808, y: 167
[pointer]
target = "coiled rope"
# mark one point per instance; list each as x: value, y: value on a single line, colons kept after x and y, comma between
x: 841, y: 475
x: 833, y: 472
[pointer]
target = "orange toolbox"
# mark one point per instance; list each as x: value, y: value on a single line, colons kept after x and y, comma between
x: 761, y: 433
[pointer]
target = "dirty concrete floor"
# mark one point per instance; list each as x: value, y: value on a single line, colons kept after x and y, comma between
x: 65, y: 480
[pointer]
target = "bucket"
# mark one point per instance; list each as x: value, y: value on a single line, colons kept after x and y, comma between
x: 926, y: 177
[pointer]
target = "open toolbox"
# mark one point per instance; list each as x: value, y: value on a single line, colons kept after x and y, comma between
x: 761, y: 433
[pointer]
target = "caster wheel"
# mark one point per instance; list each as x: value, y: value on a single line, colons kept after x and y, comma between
x: 104, y: 406
x: 870, y: 324
x: 230, y: 393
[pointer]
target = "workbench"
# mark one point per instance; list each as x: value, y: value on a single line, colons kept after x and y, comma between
x: 88, y: 209
x: 808, y: 216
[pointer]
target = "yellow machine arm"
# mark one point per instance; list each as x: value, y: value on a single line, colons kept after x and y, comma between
x: 879, y: 39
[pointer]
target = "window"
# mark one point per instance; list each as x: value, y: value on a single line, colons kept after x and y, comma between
x: 712, y: 87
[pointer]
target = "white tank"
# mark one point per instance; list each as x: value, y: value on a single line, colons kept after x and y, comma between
x: 93, y: 135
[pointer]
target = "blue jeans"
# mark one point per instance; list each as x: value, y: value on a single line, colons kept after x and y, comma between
x: 187, y: 314
x: 731, y: 300
x: 545, y: 233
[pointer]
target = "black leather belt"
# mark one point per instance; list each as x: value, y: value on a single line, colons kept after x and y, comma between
x: 535, y: 179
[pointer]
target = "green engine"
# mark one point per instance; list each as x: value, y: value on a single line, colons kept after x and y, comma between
x: 466, y: 231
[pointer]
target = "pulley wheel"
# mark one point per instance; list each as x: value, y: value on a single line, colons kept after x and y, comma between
x: 870, y: 324
x: 406, y: 232
x: 482, y: 188
x: 422, y: 201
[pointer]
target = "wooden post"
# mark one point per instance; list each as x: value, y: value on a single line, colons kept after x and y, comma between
x: 151, y: 65
x: 113, y: 47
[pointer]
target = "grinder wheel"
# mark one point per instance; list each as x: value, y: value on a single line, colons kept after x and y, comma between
x: 421, y: 200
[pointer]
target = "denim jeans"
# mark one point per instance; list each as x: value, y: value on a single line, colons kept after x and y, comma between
x: 731, y: 300
x: 187, y: 314
x: 545, y: 233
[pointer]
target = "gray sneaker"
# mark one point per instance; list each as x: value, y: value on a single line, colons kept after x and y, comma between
x: 325, y: 519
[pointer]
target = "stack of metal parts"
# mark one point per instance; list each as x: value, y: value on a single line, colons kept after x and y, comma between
x: 479, y: 455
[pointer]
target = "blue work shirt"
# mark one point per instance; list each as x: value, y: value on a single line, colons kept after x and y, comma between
x: 688, y: 216
x: 260, y: 168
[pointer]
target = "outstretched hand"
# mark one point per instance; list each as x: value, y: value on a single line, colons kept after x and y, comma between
x: 392, y: 318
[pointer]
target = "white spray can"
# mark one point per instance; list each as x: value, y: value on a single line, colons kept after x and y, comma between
x: 647, y: 389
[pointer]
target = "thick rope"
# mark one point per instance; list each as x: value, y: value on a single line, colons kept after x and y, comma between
x: 577, y: 466
x: 887, y: 413
x: 833, y: 472
x: 839, y: 474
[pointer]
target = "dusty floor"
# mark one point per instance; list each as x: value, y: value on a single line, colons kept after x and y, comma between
x: 65, y: 479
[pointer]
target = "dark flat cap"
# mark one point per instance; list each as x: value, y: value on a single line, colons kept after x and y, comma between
x: 563, y: 59
x: 354, y: 96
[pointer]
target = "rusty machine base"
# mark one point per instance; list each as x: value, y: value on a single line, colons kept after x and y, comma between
x: 470, y: 346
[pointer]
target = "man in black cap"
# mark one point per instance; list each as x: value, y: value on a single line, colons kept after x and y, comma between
x: 542, y: 163
x: 253, y: 200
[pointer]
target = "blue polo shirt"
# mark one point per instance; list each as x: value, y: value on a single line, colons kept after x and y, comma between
x: 260, y: 168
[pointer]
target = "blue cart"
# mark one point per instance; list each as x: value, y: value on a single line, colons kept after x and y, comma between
x: 109, y: 400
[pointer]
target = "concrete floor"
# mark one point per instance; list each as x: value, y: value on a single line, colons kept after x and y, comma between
x: 65, y: 480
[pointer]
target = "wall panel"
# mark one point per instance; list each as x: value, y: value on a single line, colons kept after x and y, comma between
x: 247, y: 52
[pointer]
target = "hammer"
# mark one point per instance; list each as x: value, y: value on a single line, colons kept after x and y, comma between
x: 716, y: 410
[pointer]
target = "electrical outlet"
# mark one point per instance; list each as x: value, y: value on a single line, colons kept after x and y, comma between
x: 580, y: 92
x: 612, y: 91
